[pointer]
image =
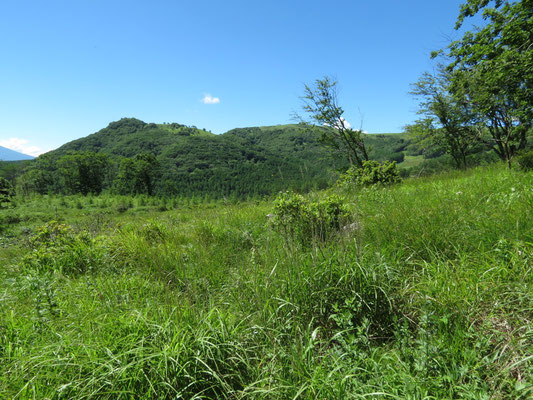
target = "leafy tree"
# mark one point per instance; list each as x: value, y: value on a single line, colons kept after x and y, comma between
x: 137, y: 175
x: 145, y: 168
x: 447, y: 119
x: 125, y: 180
x: 40, y: 176
x: 6, y: 191
x: 83, y: 172
x: 321, y: 104
x: 494, y: 70
x: 12, y: 169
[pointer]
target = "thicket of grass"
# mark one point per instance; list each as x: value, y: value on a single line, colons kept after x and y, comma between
x: 426, y: 295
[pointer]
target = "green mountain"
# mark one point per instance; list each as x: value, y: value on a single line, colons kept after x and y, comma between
x: 130, y: 136
x: 192, y: 161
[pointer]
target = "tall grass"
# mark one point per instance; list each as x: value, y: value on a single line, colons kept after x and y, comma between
x: 427, y: 296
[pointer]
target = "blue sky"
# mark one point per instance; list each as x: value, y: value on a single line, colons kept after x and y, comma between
x: 68, y: 68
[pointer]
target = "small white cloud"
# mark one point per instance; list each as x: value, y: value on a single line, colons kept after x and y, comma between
x: 208, y: 99
x: 347, y: 125
x: 340, y: 123
x: 21, y: 145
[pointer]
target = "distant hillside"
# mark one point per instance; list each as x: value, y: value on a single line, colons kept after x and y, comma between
x: 12, y: 155
x: 131, y: 136
x: 191, y: 161
x: 296, y: 140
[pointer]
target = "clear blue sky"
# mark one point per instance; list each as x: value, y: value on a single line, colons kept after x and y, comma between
x: 68, y: 68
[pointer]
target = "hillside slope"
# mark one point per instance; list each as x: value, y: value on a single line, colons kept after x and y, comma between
x: 241, y: 162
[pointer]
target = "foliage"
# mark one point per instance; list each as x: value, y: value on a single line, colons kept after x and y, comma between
x: 57, y: 248
x: 306, y: 222
x: 371, y: 173
x: 448, y: 121
x: 83, y: 172
x: 525, y: 161
x: 137, y: 175
x: 11, y: 169
x: 320, y: 102
x: 6, y: 191
x: 40, y: 176
x: 428, y: 297
x: 190, y: 162
x: 492, y: 70
x: 387, y: 147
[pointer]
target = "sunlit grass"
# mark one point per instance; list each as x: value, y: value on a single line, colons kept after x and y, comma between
x: 411, y: 161
x: 428, y: 296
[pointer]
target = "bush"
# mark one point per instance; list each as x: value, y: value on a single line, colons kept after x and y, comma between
x: 57, y: 248
x: 6, y: 191
x: 371, y: 173
x: 525, y: 161
x: 301, y: 220
x: 9, y: 218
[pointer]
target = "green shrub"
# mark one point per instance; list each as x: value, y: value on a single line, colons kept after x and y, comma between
x: 57, y: 248
x: 7, y: 192
x: 9, y: 218
x: 371, y: 173
x: 301, y: 220
x: 525, y: 161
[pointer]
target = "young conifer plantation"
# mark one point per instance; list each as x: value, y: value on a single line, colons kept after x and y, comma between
x: 417, y: 290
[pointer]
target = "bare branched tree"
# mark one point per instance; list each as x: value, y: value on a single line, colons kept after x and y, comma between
x: 320, y: 104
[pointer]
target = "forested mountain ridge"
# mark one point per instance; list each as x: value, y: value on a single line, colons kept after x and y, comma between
x: 174, y: 159
x: 130, y: 136
x: 187, y: 161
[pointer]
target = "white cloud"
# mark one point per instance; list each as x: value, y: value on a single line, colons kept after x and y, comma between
x: 21, y: 145
x: 347, y: 125
x: 339, y: 124
x: 208, y: 99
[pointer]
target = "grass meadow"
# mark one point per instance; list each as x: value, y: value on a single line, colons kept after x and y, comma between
x: 426, y: 293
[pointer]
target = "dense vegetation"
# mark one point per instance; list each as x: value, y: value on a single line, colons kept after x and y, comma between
x: 418, y: 290
x: 133, y: 269
x: 134, y: 157
x: 482, y: 94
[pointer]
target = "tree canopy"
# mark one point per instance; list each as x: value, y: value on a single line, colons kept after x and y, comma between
x: 134, y: 157
x: 492, y: 68
x: 6, y: 191
x: 447, y: 118
x: 484, y: 94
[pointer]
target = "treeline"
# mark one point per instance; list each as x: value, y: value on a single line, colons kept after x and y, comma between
x: 87, y: 172
x: 133, y: 157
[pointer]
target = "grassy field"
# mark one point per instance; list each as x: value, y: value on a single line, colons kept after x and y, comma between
x: 411, y: 161
x: 427, y: 293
